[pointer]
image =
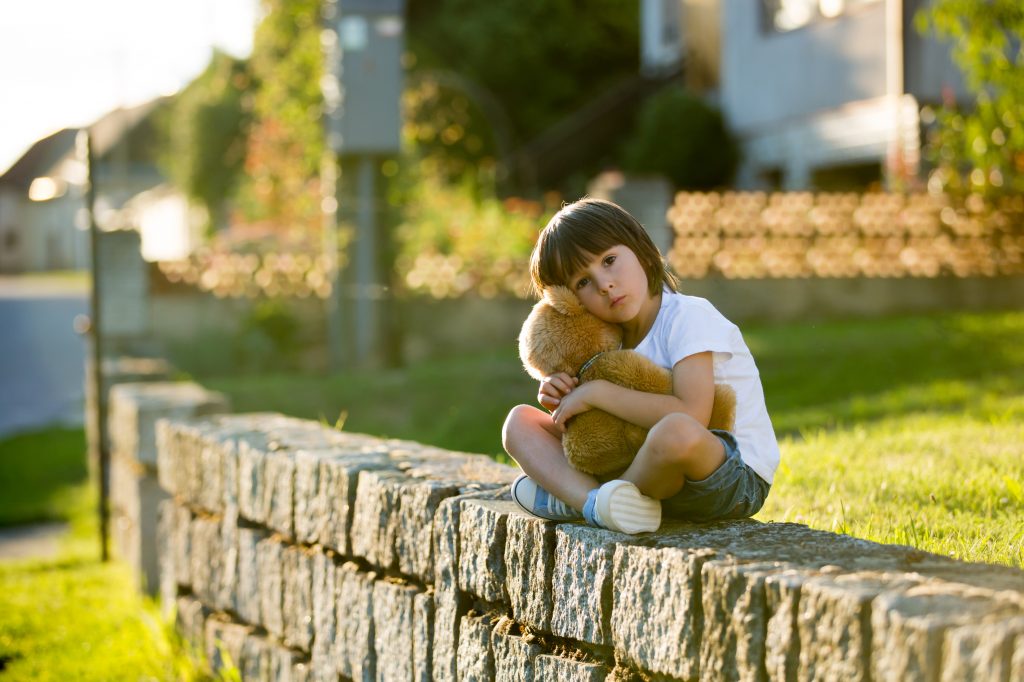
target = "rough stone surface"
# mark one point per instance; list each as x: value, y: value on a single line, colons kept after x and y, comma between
x: 908, y: 627
x: 270, y: 562
x: 335, y: 501
x: 513, y: 654
x: 297, y: 605
x: 834, y: 622
x: 481, y: 564
x: 983, y: 652
x: 191, y: 618
x: 735, y: 621
x: 325, y: 615
x: 373, y: 520
x: 529, y: 558
x: 255, y: 663
x: 206, y: 559
x: 582, y: 583
x: 475, y: 659
x: 393, y: 629
x: 423, y: 637
x: 224, y: 643
x: 664, y: 635
x: 782, y: 641
x: 418, y: 501
x: 549, y: 668
x: 355, y: 636
x: 248, y: 593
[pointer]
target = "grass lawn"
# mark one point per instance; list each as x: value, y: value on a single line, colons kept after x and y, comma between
x: 905, y: 430
x: 72, y: 617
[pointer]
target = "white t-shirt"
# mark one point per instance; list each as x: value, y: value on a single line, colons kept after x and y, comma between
x: 687, y: 325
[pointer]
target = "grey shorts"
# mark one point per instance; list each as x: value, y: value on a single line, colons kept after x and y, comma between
x: 733, y: 491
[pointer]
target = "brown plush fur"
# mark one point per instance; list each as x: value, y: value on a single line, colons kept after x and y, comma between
x: 561, y: 336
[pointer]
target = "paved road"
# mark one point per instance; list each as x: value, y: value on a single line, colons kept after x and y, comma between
x: 42, y: 359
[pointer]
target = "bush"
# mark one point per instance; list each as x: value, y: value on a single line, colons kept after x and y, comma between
x: 683, y: 138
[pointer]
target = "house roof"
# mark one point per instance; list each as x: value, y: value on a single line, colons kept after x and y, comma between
x: 43, y: 156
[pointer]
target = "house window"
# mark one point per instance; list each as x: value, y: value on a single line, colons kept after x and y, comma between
x: 783, y: 16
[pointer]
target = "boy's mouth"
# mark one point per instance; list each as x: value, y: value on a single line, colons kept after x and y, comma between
x: 617, y: 301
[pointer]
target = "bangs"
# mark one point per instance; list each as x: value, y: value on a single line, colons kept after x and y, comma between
x: 569, y: 249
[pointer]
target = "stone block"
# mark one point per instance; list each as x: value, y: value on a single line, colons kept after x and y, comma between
x: 224, y: 643
x: 373, y: 529
x: 297, y: 605
x: 255, y: 663
x: 393, y: 618
x: 735, y: 619
x: 582, y: 583
x: 982, y: 652
x: 181, y: 545
x: 190, y: 616
x: 655, y: 619
x: 136, y: 407
x: 279, y: 470
x: 908, y: 626
x: 514, y: 654
x: 529, y: 558
x: 782, y: 640
x: 418, y: 501
x: 355, y: 653
x: 481, y: 563
x: 270, y: 564
x: 334, y: 504
x: 325, y: 615
x: 166, y: 537
x: 834, y: 622
x: 288, y: 666
x: 423, y: 637
x: 549, y: 668
x: 248, y: 594
x: 475, y: 659
x: 206, y: 558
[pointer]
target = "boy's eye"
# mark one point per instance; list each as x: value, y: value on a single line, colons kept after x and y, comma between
x: 609, y: 260
x: 582, y: 283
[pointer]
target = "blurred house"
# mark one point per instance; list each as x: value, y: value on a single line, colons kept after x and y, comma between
x: 42, y: 196
x: 823, y: 94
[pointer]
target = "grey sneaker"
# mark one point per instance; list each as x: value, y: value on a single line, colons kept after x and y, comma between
x: 535, y: 500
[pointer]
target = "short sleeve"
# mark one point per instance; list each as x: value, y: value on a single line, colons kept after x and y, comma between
x: 698, y: 329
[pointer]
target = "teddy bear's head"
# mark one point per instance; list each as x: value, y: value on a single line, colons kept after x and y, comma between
x: 560, y: 335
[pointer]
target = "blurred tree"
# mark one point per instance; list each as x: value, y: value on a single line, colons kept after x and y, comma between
x: 207, y: 127
x: 524, y: 66
x: 683, y: 138
x: 286, y: 140
x: 979, y: 150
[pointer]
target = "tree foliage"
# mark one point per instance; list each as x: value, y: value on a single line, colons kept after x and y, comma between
x: 207, y: 127
x: 540, y: 60
x: 680, y: 136
x: 286, y: 140
x: 980, y: 150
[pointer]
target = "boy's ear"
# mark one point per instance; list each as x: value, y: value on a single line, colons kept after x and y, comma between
x: 563, y: 300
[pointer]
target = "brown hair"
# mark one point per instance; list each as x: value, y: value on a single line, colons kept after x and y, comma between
x: 584, y: 229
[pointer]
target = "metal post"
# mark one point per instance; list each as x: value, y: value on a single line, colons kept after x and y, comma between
x: 329, y: 170
x: 100, y: 450
x: 366, y: 292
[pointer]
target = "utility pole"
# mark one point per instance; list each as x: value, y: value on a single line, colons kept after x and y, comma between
x: 362, y: 96
x: 99, y: 449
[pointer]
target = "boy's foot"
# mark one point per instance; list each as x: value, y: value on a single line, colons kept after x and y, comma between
x: 535, y: 500
x: 620, y: 506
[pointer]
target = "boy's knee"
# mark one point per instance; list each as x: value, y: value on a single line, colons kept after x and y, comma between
x: 518, y: 419
x: 676, y: 437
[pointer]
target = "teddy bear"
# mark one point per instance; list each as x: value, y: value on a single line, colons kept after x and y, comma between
x: 560, y: 335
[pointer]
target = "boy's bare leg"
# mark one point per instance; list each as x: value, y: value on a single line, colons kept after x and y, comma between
x: 677, y: 448
x: 535, y: 443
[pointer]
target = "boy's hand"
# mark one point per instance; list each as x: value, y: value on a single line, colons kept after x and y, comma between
x: 575, y: 403
x: 554, y: 388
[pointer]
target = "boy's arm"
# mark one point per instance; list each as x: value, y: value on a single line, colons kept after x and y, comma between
x: 693, y: 393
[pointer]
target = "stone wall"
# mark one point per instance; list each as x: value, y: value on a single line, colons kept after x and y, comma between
x: 297, y: 552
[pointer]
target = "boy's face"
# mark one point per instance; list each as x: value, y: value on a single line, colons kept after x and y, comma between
x: 613, y: 285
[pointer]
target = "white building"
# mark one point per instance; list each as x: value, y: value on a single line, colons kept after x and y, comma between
x: 823, y: 94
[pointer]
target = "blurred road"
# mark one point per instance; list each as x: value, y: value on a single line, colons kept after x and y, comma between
x: 42, y: 359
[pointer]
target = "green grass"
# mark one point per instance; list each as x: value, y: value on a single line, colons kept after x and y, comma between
x: 40, y: 473
x: 903, y: 429
x: 72, y: 617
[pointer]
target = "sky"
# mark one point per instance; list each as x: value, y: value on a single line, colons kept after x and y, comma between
x: 64, y: 63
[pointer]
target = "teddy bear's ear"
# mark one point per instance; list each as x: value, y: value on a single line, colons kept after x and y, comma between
x: 563, y: 300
